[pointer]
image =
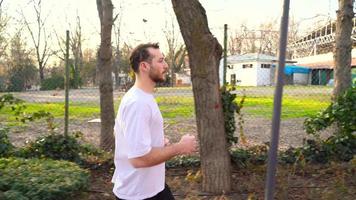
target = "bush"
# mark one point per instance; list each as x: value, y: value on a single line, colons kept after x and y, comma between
x: 54, y: 146
x: 342, y: 112
x: 12, y: 195
x: 39, y: 179
x: 5, y: 145
x: 183, y: 161
x: 342, y: 145
x: 53, y: 83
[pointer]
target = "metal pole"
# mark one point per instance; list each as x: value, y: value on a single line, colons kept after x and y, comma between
x: 225, y: 54
x: 272, y: 154
x: 66, y: 86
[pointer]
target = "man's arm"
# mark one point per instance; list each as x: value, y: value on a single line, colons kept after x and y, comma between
x: 159, y: 155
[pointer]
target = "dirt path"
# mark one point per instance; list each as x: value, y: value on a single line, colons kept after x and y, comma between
x: 256, y: 130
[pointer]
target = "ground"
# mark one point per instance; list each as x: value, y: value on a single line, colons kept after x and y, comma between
x: 333, y: 181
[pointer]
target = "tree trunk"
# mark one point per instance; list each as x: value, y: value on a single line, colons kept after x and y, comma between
x: 107, y: 116
x: 204, y: 55
x: 41, y: 71
x: 343, y: 47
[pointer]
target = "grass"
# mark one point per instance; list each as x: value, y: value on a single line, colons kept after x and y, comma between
x: 291, y: 107
x: 172, y: 107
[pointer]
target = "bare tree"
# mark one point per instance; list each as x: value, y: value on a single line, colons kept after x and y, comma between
x: 176, y: 50
x: 204, y: 55
x: 263, y: 41
x: 76, y: 47
x: 3, y: 25
x: 40, y: 38
x: 117, y: 51
x: 107, y: 114
x: 343, y: 47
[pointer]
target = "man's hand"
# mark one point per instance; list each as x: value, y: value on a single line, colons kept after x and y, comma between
x: 187, y: 144
x: 166, y: 142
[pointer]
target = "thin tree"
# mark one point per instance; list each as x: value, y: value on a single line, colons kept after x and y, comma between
x: 116, y: 65
x: 76, y: 47
x: 176, y: 50
x: 204, y: 55
x: 40, y: 38
x: 104, y: 66
x: 3, y: 26
x: 343, y: 47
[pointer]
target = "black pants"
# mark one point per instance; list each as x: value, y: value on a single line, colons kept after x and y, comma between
x: 166, y: 194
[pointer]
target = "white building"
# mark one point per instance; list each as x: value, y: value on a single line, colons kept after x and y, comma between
x: 259, y: 70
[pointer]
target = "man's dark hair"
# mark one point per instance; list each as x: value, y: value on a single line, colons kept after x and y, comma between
x: 140, y: 53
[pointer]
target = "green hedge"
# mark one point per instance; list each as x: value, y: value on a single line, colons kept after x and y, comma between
x: 52, y: 83
x: 40, y: 179
x: 6, y: 147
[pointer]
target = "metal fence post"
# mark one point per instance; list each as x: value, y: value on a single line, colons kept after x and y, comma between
x: 66, y: 86
x: 272, y: 154
x: 225, y: 54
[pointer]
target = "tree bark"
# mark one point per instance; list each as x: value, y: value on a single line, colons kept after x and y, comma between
x: 107, y: 114
x: 343, y: 47
x: 204, y: 55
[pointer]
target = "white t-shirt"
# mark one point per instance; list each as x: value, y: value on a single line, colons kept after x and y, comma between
x: 138, y: 128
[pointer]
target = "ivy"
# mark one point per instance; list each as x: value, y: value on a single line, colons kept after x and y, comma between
x: 230, y: 107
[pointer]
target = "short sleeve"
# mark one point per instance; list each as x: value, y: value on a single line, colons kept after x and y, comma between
x: 137, y: 135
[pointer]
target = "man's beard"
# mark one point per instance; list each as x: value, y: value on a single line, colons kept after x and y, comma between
x: 155, y: 77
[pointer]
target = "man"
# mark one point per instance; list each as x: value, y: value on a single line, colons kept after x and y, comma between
x: 140, y: 150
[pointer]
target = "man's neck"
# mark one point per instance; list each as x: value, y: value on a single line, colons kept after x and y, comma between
x: 147, y: 85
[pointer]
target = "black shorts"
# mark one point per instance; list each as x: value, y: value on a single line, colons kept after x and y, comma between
x: 165, y: 194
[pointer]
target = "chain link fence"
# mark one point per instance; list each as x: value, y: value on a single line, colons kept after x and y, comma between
x: 177, y: 107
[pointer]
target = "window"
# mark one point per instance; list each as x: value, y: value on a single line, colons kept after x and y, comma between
x: 230, y: 66
x: 266, y: 66
x: 247, y: 66
x: 233, y: 79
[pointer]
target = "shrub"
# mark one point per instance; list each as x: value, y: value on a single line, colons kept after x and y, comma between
x: 183, y: 161
x: 5, y: 145
x: 342, y: 145
x: 53, y: 83
x: 12, y: 195
x: 342, y: 112
x: 54, y: 146
x: 39, y: 179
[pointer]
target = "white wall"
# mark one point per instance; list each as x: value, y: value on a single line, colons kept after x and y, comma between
x: 300, y: 79
x: 246, y: 76
x: 263, y: 75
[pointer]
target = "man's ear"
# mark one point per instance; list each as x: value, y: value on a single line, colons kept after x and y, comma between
x: 144, y: 66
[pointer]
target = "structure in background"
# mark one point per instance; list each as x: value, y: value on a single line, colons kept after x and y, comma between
x: 259, y: 70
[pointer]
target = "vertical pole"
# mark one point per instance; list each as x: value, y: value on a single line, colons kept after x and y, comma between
x: 225, y: 54
x: 66, y: 86
x: 272, y: 154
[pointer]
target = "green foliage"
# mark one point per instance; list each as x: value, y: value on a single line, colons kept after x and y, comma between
x: 39, y: 179
x: 229, y: 108
x: 5, y: 145
x: 12, y: 195
x: 18, y: 110
x: 21, y: 77
x: 256, y: 155
x: 183, y: 161
x: 342, y: 112
x: 52, y: 83
x: 54, y: 146
x: 340, y: 146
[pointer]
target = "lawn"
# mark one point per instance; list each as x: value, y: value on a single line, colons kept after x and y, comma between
x: 298, y: 101
x: 183, y: 107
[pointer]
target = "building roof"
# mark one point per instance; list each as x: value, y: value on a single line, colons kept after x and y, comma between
x: 253, y: 57
x: 327, y: 64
